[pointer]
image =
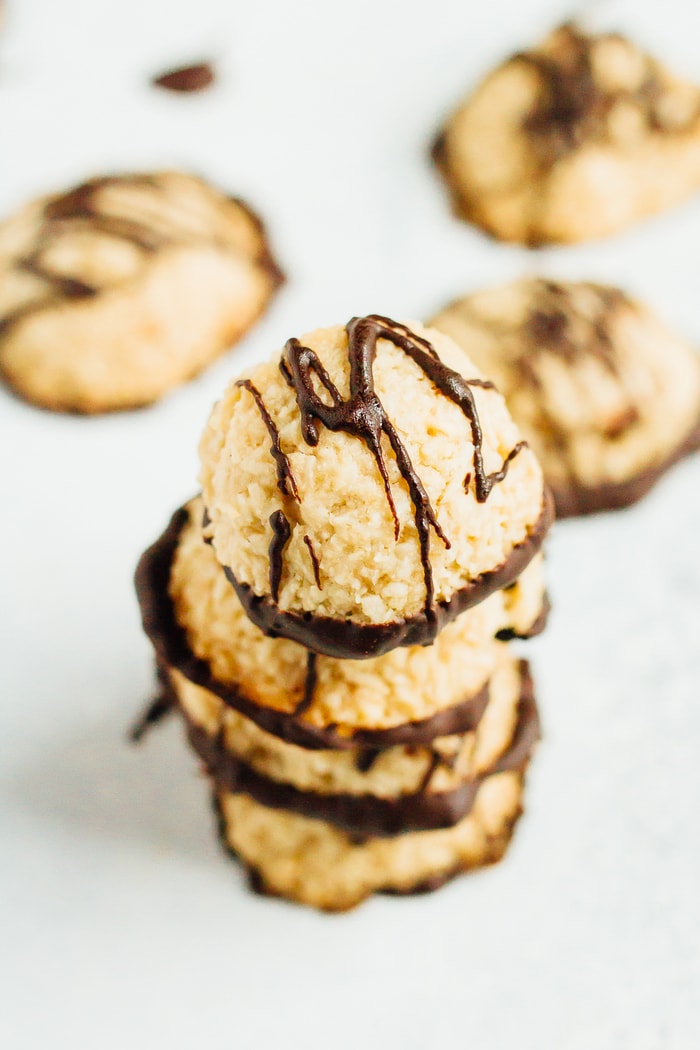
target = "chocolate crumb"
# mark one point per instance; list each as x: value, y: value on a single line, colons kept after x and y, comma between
x: 186, y: 79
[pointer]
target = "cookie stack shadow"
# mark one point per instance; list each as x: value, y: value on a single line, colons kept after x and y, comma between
x: 353, y: 762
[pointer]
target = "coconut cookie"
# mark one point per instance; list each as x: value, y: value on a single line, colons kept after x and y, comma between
x: 199, y: 628
x: 573, y: 140
x: 314, y: 862
x: 605, y: 394
x: 366, y: 486
x: 364, y: 789
x: 123, y: 287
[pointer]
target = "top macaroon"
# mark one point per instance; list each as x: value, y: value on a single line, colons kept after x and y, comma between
x: 365, y: 486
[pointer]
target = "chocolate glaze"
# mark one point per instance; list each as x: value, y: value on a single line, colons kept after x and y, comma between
x: 281, y: 531
x: 346, y: 639
x: 363, y: 415
x: 369, y: 815
x: 186, y: 78
x: 169, y: 641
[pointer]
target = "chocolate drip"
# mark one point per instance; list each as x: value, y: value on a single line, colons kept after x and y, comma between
x: 314, y: 561
x: 156, y: 710
x: 281, y: 531
x: 435, y: 759
x: 309, y: 685
x: 363, y: 415
x: 285, y: 478
x: 186, y: 79
x: 365, y: 758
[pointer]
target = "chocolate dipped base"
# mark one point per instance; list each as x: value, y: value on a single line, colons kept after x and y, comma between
x: 366, y: 815
x: 349, y: 640
x: 572, y: 500
x: 497, y: 846
x: 169, y: 640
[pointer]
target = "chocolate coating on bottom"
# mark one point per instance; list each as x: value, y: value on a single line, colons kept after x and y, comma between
x: 256, y: 883
x: 572, y: 499
x: 348, y: 640
x: 369, y: 815
x: 169, y: 640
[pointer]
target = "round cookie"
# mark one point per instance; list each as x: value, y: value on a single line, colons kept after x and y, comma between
x: 315, y: 863
x: 573, y: 140
x: 605, y: 394
x: 366, y: 486
x: 198, y: 627
x: 123, y: 287
x: 230, y: 743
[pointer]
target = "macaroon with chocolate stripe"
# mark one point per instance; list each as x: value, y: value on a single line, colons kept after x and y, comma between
x: 575, y: 139
x: 607, y: 396
x: 366, y: 486
x: 125, y: 286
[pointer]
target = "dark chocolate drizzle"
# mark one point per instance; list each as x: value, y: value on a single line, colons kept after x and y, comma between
x: 573, y: 107
x: 80, y: 207
x: 285, y: 477
x: 186, y: 79
x: 309, y: 685
x: 363, y: 415
x: 169, y: 640
x: 281, y: 531
x: 370, y: 815
x: 314, y: 561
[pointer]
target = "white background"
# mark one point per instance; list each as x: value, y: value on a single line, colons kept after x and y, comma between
x: 121, y: 924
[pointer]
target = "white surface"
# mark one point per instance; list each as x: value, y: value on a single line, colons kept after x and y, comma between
x: 121, y: 924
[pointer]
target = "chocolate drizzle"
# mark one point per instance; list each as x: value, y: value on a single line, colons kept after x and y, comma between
x: 309, y: 685
x: 573, y: 106
x: 363, y: 415
x: 81, y: 208
x: 285, y: 478
x: 281, y: 531
x: 314, y: 561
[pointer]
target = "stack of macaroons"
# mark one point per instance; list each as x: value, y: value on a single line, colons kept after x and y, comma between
x: 331, y: 616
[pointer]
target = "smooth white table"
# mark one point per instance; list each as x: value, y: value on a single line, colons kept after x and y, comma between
x: 121, y: 924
